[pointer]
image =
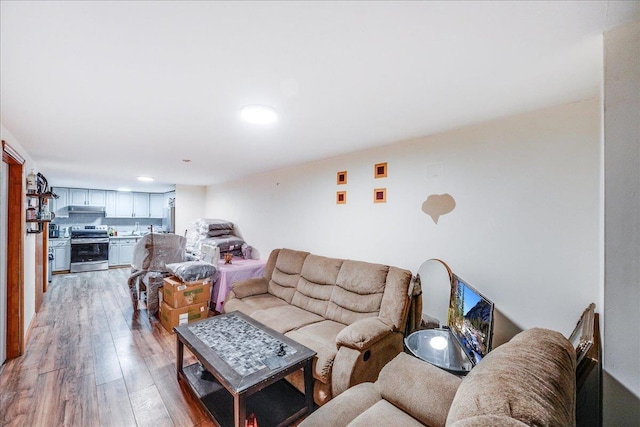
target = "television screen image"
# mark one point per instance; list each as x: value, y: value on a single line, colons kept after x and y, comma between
x: 471, y: 319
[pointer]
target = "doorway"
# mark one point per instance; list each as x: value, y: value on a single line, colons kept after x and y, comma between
x: 4, y: 176
x: 13, y: 251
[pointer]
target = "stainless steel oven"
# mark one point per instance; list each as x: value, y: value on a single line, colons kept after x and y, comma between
x: 89, y: 248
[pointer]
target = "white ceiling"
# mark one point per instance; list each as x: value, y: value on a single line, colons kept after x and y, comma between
x: 100, y: 92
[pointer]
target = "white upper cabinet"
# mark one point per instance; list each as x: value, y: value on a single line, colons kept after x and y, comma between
x: 59, y: 206
x: 96, y: 197
x: 156, y: 205
x: 141, y: 205
x: 124, y: 204
x: 118, y: 204
x: 82, y: 196
x: 78, y: 196
x: 110, y: 204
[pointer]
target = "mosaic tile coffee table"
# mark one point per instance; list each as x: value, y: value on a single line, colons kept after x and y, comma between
x: 240, y: 357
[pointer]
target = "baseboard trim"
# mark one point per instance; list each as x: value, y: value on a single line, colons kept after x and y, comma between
x: 27, y: 336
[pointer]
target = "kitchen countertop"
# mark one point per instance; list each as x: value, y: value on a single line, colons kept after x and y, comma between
x: 127, y: 236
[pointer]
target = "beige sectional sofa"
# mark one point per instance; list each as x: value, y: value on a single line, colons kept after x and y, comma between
x: 528, y: 381
x: 352, y: 313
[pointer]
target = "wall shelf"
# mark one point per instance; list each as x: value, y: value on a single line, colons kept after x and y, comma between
x: 40, y: 197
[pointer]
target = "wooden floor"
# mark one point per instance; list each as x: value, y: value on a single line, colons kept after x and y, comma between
x: 92, y: 361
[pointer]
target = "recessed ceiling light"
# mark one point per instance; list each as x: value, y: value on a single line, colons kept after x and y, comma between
x: 259, y: 114
x: 145, y: 178
x: 124, y: 190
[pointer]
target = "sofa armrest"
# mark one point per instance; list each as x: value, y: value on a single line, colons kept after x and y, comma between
x: 364, y: 333
x: 408, y: 382
x: 250, y: 287
x: 364, y: 347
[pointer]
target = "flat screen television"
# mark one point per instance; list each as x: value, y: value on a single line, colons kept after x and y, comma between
x: 470, y: 319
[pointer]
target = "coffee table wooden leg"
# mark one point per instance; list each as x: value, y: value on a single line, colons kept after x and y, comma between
x: 179, y: 356
x: 239, y: 410
x: 308, y: 385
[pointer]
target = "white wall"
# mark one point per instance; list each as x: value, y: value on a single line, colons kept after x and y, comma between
x: 29, y: 241
x: 525, y: 230
x: 189, y: 204
x: 622, y: 226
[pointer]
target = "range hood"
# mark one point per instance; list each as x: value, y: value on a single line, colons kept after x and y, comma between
x: 85, y: 209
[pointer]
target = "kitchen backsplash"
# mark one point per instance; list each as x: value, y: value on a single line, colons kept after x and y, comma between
x: 122, y: 225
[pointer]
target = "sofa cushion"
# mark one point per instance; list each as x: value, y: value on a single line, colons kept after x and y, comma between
x: 286, y: 273
x: 399, y: 383
x: 284, y: 318
x: 358, y: 292
x: 250, y: 286
x: 395, y: 304
x: 488, y: 420
x: 320, y: 337
x: 317, y: 279
x: 248, y: 305
x: 352, y: 403
x: 531, y: 379
x: 383, y: 413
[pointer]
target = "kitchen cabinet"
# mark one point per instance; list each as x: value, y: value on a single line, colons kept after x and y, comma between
x: 121, y: 251
x: 114, y: 253
x: 97, y: 198
x: 83, y: 196
x: 132, y: 205
x: 124, y: 204
x: 141, y: 205
x: 126, y: 251
x: 59, y: 206
x: 110, y: 204
x: 61, y: 254
x: 156, y: 205
x: 78, y: 196
x: 118, y: 204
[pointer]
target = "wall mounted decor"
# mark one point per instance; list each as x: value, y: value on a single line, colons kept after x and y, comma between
x: 379, y: 195
x: 380, y: 170
x: 437, y: 205
x: 341, y: 177
x: 341, y: 197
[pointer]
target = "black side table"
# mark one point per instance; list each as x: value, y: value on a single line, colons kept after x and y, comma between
x: 440, y: 348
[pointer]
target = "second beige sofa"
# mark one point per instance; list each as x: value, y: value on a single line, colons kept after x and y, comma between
x: 529, y: 381
x: 351, y: 313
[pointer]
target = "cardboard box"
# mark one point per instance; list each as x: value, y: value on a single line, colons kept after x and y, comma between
x: 177, y: 293
x: 171, y: 317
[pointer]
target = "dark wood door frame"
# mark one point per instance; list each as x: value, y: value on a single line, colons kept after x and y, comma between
x: 15, y: 251
x: 41, y: 278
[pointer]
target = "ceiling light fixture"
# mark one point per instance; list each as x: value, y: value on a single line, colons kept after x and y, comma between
x: 145, y: 179
x: 124, y: 190
x: 258, y: 114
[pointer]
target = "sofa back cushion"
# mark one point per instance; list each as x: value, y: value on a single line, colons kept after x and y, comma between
x: 396, y: 301
x: 358, y: 292
x: 317, y: 279
x: 286, y: 273
x: 271, y: 264
x: 531, y: 379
